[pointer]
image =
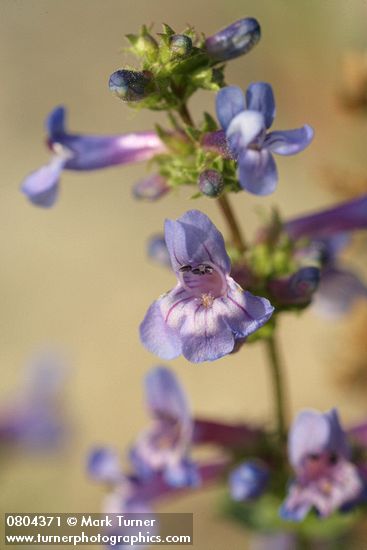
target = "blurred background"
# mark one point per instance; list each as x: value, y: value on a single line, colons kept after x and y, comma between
x: 76, y: 277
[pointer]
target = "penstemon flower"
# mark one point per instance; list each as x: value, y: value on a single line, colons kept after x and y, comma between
x: 166, y: 445
x: 325, y: 478
x: 235, y: 40
x: 207, y: 311
x: 325, y: 234
x: 83, y: 152
x: 245, y: 121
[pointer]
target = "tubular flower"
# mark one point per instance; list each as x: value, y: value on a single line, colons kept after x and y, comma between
x: 325, y: 478
x: 82, y: 152
x: 245, y: 121
x: 165, y: 446
x: 328, y: 234
x: 235, y: 40
x: 207, y: 311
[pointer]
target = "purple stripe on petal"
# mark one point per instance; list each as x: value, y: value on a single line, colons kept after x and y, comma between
x: 257, y: 172
x: 260, y: 97
x: 289, y: 142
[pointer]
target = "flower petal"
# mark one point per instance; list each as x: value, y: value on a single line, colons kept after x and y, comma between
x: 165, y: 396
x: 289, y: 142
x: 42, y: 186
x: 194, y: 239
x: 245, y: 313
x: 55, y: 123
x: 205, y: 336
x: 347, y: 216
x: 257, y: 172
x: 229, y: 102
x: 182, y: 474
x: 157, y: 336
x: 260, y: 97
x: 313, y: 433
x: 244, y: 129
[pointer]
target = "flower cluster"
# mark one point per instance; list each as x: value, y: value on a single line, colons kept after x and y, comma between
x: 226, y: 294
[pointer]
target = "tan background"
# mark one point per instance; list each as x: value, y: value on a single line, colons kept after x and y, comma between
x: 77, y: 276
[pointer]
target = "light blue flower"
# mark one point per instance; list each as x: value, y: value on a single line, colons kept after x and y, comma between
x: 245, y: 121
x: 207, y: 311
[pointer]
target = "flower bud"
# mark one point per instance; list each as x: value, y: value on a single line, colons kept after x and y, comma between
x: 130, y: 85
x: 180, y: 45
x: 211, y: 183
x: 248, y: 481
x: 233, y: 41
x: 151, y: 188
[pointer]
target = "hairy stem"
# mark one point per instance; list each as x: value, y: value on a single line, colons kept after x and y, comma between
x: 224, y: 204
x: 276, y: 371
x: 236, y: 234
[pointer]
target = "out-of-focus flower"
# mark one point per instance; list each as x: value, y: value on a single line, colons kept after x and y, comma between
x: 296, y: 289
x: 245, y: 121
x: 166, y: 445
x: 203, y: 316
x: 347, y: 216
x: 327, y: 234
x: 82, y: 152
x: 325, y: 478
x: 104, y: 465
x: 157, y: 250
x: 151, y: 188
x: 235, y: 40
x: 248, y: 481
x: 130, y: 85
x: 34, y: 417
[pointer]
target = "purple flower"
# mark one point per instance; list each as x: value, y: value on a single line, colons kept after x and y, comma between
x: 81, y: 152
x: 235, y: 40
x: 327, y: 232
x: 248, y: 481
x: 207, y: 311
x: 347, y: 216
x: 104, y: 465
x: 245, y: 121
x: 296, y: 289
x: 151, y: 188
x: 165, y: 446
x: 33, y: 418
x: 325, y: 478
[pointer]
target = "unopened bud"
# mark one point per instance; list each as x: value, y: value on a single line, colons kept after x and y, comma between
x: 233, y: 41
x: 130, y: 85
x: 211, y: 183
x: 151, y: 188
x: 180, y: 45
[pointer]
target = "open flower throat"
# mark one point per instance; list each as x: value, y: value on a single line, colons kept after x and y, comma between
x: 203, y: 281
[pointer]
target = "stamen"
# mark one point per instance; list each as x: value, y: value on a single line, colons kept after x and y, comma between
x: 207, y: 300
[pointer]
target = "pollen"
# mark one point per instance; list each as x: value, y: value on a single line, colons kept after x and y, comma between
x: 207, y: 300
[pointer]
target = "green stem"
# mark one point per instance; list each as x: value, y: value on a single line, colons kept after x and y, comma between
x: 223, y: 202
x: 276, y: 371
x: 236, y: 234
